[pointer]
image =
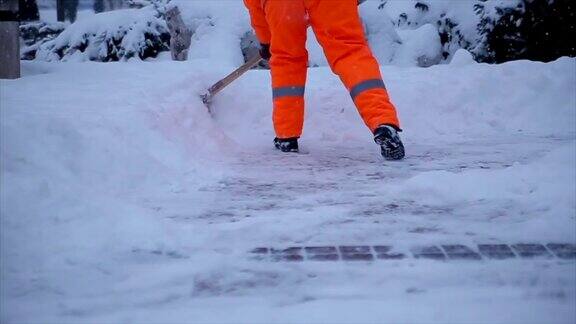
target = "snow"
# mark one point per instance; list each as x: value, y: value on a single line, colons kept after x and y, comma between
x: 462, y: 57
x: 382, y: 36
x: 123, y: 200
x: 421, y: 47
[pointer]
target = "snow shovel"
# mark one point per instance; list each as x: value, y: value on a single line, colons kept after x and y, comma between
x: 220, y: 85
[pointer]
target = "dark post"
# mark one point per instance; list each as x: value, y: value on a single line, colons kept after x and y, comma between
x: 60, y: 10
x: 9, y: 40
x: 98, y: 6
x: 71, y: 10
x: 28, y: 10
x: 180, y: 35
x: 66, y: 10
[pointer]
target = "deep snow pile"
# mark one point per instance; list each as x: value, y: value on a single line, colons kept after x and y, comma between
x: 123, y: 200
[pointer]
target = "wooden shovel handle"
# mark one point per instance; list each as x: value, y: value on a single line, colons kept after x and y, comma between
x: 218, y: 86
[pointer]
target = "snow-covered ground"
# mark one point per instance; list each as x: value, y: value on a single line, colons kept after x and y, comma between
x: 123, y: 200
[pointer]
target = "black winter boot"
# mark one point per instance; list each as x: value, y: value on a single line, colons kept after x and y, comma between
x: 390, y: 144
x: 286, y: 144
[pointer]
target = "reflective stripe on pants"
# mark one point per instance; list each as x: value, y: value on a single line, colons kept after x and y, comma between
x: 292, y: 91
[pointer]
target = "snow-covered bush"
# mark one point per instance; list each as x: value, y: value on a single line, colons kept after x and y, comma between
x: 420, y: 47
x: 110, y: 36
x: 455, y: 22
x: 34, y: 34
x: 394, y: 44
x: 380, y: 31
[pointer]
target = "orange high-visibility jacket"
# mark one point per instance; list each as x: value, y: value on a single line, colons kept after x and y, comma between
x: 338, y: 28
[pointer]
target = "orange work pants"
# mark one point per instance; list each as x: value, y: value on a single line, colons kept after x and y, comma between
x: 339, y: 31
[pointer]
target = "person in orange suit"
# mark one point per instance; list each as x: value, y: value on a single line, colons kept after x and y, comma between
x: 281, y: 25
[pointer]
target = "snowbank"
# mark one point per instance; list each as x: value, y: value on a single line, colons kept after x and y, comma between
x: 76, y: 157
x: 441, y: 102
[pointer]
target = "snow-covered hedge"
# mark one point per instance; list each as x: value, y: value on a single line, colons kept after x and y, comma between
x: 492, y: 30
x: 110, y: 36
x: 391, y: 44
x: 36, y: 33
x: 455, y: 22
x: 400, y: 32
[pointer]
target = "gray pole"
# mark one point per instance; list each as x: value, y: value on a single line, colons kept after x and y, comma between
x: 9, y: 40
